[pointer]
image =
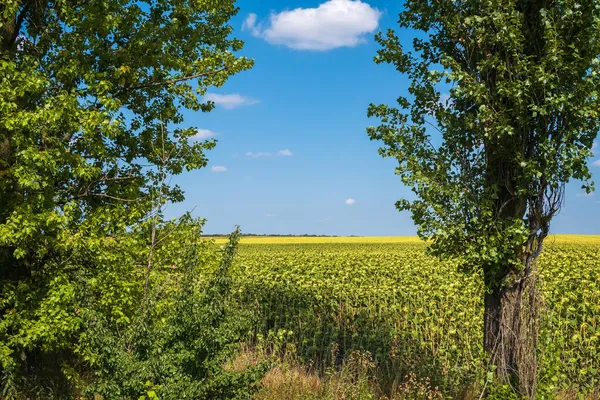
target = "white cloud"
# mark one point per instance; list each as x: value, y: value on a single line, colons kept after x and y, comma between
x: 258, y: 154
x: 269, y: 215
x: 594, y: 147
x: 596, y: 163
x: 250, y: 24
x: 229, y: 101
x: 203, y: 134
x: 218, y: 168
x: 333, y: 24
x: 584, y: 194
x: 350, y: 201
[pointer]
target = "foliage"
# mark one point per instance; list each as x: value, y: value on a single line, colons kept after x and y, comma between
x: 176, y: 346
x: 517, y: 123
x: 95, y: 333
x: 92, y: 96
x: 86, y: 91
x: 415, y: 314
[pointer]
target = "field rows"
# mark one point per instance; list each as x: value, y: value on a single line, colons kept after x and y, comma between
x: 413, y: 313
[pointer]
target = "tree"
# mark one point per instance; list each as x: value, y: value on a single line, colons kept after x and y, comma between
x: 85, y: 89
x: 489, y: 160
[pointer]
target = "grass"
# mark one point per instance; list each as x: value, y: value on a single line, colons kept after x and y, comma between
x: 290, y: 378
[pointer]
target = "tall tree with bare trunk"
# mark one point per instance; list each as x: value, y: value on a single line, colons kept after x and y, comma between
x: 502, y: 112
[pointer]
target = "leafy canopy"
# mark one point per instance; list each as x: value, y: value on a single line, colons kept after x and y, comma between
x: 92, y: 95
x: 85, y: 88
x: 488, y: 160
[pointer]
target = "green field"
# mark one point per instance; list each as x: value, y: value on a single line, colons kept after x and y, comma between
x: 412, y: 313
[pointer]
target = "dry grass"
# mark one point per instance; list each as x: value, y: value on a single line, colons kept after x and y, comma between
x: 354, y: 379
x: 246, y: 357
x: 288, y: 382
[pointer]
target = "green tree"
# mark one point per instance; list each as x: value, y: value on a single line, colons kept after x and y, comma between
x: 488, y: 160
x: 86, y: 89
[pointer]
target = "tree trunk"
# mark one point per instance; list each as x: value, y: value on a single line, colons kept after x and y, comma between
x: 511, y: 334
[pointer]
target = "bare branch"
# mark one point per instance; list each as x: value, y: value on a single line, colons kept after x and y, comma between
x: 107, y: 196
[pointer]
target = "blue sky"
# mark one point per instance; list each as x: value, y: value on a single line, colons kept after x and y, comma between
x: 292, y: 148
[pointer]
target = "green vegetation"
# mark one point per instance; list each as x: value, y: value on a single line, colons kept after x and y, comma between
x: 103, y: 298
x: 415, y: 314
x: 99, y: 295
x: 489, y: 163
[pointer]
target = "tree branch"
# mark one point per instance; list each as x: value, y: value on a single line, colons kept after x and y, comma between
x: 185, y: 78
x: 164, y: 83
x: 107, y: 196
x: 18, y: 25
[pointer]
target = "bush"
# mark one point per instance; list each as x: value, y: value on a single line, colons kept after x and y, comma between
x: 91, y: 330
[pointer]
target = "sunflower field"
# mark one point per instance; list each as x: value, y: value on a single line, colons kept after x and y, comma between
x: 326, y: 298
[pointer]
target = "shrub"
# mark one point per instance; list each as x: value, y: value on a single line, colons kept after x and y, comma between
x: 94, y: 332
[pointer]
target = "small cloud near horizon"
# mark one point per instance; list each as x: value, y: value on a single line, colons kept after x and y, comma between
x: 350, y: 202
x: 258, y: 154
x: 269, y: 215
x: 218, y: 168
x: 230, y: 101
x: 333, y: 24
